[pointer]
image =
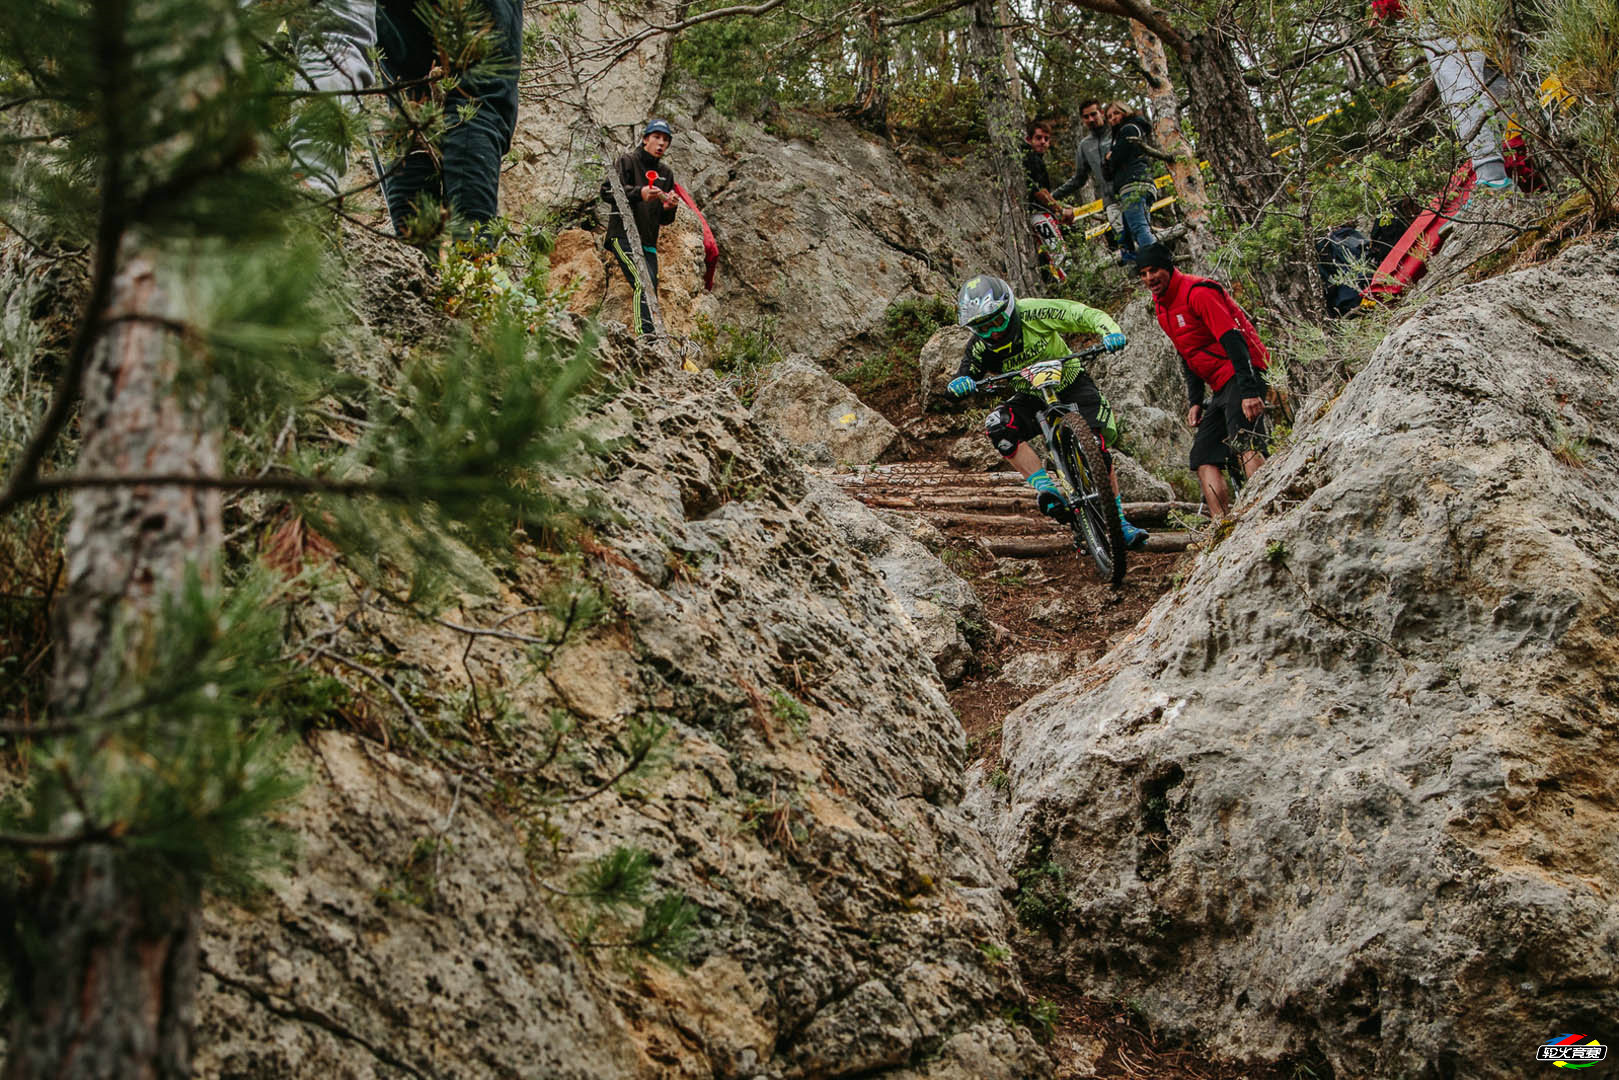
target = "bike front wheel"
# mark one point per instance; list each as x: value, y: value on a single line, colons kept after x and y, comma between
x: 1096, y: 515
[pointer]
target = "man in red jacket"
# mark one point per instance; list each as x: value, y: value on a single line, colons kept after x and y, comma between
x: 1220, y: 348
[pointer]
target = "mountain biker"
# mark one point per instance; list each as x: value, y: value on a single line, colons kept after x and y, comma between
x: 1008, y: 334
x: 1219, y: 346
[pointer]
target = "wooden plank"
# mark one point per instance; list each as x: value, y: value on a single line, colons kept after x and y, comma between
x: 1037, y: 547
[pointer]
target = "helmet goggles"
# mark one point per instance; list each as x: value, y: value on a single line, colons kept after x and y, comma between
x: 992, y: 324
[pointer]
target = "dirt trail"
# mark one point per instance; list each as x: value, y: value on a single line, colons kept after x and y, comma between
x: 1050, y: 615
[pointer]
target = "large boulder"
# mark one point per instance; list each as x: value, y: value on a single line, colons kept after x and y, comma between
x: 943, y: 608
x: 574, y: 92
x: 824, y: 228
x: 1136, y: 484
x: 1352, y: 789
x: 799, y: 801
x: 806, y: 406
x: 578, y: 262
x: 940, y: 358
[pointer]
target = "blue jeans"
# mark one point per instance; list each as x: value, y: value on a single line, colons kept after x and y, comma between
x: 1134, y: 199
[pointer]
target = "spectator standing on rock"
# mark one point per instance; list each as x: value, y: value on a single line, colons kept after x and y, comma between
x: 1008, y: 334
x: 461, y: 174
x: 1128, y: 168
x: 649, y: 187
x: 1089, y: 153
x: 1220, y: 348
x: 1046, y: 215
x: 1472, y: 89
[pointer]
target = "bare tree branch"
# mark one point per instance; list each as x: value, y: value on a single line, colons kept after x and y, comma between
x: 924, y: 16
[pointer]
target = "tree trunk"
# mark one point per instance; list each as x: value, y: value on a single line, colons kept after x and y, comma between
x: 1191, y: 193
x: 1229, y: 135
x: 997, y: 83
x: 112, y: 996
x: 871, y: 88
x: 1232, y: 140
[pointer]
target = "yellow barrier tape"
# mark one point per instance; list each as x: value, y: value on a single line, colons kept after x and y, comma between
x: 1552, y: 91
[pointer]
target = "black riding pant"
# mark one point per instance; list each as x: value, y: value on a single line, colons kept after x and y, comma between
x: 1013, y: 421
x: 466, y: 172
x: 638, y: 288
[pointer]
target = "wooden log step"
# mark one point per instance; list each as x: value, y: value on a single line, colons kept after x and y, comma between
x: 1139, y: 513
x: 985, y: 521
x: 1038, y: 547
x: 1012, y: 501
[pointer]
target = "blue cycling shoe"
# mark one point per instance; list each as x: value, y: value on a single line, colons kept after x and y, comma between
x: 1134, y: 539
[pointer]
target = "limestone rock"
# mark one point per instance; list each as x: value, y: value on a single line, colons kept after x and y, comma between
x: 415, y: 926
x: 938, y: 362
x: 805, y: 405
x: 1136, y: 484
x: 576, y: 261
x: 680, y: 281
x: 824, y: 230
x: 1350, y: 790
x: 556, y: 139
x: 974, y: 451
x: 804, y: 802
x: 1032, y: 670
x: 940, y: 605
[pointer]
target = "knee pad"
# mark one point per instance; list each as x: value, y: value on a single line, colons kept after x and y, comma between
x: 1001, y: 427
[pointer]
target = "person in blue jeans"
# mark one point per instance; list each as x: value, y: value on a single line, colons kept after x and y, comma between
x: 464, y: 173
x: 1128, y: 167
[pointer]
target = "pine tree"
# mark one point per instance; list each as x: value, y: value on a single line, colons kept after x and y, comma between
x: 148, y: 137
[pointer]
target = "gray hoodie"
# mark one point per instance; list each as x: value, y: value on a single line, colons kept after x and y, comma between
x: 1088, y: 157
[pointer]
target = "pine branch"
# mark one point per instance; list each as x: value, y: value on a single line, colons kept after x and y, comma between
x: 112, y: 64
x: 32, y: 842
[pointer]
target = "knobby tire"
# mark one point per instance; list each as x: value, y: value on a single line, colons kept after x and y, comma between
x: 1082, y: 457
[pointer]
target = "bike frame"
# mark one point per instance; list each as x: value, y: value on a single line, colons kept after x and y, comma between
x: 1045, y: 377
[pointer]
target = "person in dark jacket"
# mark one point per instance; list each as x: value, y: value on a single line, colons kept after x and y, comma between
x: 649, y: 187
x: 465, y: 171
x: 1343, y: 259
x: 1128, y: 167
x: 1046, y: 214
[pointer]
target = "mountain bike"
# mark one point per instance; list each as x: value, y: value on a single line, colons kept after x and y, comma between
x: 1074, y: 455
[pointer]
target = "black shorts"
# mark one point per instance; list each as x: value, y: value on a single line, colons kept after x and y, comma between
x: 1013, y: 420
x: 1224, y: 428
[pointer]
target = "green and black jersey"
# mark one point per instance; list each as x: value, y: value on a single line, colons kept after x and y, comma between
x: 1041, y: 326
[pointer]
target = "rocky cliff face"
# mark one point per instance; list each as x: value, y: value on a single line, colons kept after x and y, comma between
x: 1350, y: 789
x: 819, y: 232
x: 804, y: 799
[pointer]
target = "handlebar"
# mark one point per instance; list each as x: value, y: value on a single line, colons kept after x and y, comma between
x: 1082, y: 354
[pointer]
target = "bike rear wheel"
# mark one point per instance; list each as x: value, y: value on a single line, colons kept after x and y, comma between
x: 1096, y: 515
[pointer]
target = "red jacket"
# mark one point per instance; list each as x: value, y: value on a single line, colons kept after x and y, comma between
x: 1196, y: 312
